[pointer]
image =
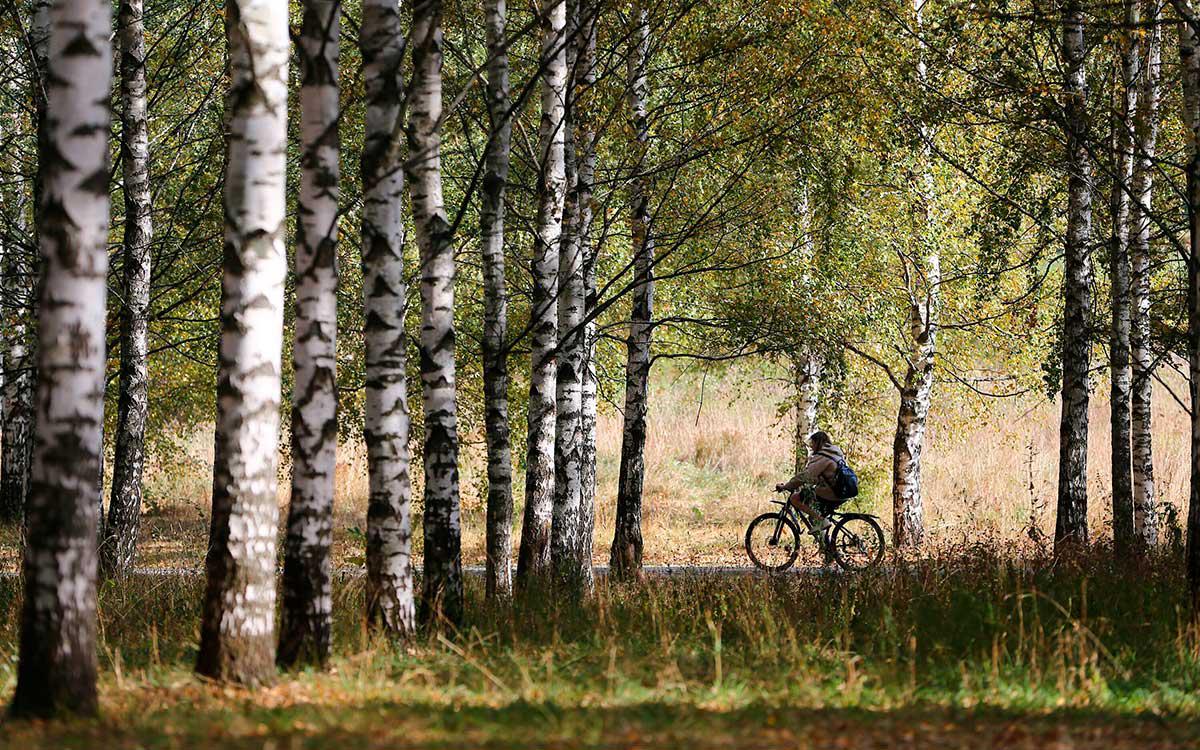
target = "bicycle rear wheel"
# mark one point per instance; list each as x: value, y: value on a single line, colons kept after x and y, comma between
x: 772, y: 542
x: 857, y: 543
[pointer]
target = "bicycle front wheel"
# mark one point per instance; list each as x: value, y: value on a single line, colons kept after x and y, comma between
x: 857, y: 542
x: 772, y: 542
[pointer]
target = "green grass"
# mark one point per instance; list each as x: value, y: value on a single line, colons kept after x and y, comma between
x: 940, y: 650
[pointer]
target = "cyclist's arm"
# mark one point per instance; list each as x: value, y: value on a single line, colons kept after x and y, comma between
x: 794, y: 483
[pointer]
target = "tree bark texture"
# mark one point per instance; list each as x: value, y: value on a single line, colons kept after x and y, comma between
x: 57, y: 669
x: 807, y: 369
x: 625, y: 558
x: 307, y: 615
x: 237, y: 632
x: 584, y: 133
x: 441, y: 595
x: 391, y: 605
x: 129, y: 456
x: 498, y: 573
x: 1145, y: 501
x: 16, y: 461
x: 16, y: 422
x: 534, y: 557
x: 916, y: 392
x: 1120, y: 272
x: 568, y: 439
x: 1071, y: 527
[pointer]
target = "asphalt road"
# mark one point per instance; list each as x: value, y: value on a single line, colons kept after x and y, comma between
x: 476, y: 571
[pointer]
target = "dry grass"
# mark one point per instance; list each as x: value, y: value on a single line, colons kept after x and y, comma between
x: 716, y: 446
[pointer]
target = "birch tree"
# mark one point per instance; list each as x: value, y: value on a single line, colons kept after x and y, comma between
x: 568, y: 436
x: 924, y: 292
x: 1071, y: 525
x: 584, y: 133
x: 57, y: 669
x: 307, y: 616
x: 626, y: 553
x: 534, y: 558
x: 498, y: 572
x: 16, y: 292
x: 16, y: 452
x: 1120, y: 272
x: 807, y: 371
x: 808, y: 366
x: 129, y: 458
x: 1145, y: 512
x: 442, y: 580
x: 237, y: 632
x: 386, y: 422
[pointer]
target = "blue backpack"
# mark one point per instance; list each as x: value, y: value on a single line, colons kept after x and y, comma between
x: 845, y: 481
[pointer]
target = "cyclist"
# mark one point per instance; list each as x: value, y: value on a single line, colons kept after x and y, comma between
x: 814, y: 485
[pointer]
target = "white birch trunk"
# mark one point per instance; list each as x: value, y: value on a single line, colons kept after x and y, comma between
x: 534, y: 557
x: 625, y: 559
x: 125, y: 506
x: 1071, y: 525
x: 237, y: 633
x: 568, y: 440
x: 441, y: 595
x: 17, y: 427
x: 807, y: 369
x: 17, y: 450
x: 498, y: 572
x: 57, y: 669
x: 916, y: 393
x: 307, y: 616
x: 1121, y: 380
x: 386, y: 421
x: 1145, y: 511
x: 584, y: 134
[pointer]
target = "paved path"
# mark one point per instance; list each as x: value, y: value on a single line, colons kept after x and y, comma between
x: 476, y: 571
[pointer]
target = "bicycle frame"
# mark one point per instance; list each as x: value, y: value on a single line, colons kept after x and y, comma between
x: 789, y: 513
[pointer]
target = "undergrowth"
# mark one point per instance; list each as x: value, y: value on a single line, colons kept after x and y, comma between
x: 975, y: 631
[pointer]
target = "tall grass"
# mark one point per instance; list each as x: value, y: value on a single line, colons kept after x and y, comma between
x: 716, y: 446
x: 974, y: 631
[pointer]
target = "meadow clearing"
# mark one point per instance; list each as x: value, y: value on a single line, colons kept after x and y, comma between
x: 717, y: 445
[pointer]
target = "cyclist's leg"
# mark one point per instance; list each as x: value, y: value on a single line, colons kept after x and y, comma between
x: 803, y: 500
x: 827, y: 508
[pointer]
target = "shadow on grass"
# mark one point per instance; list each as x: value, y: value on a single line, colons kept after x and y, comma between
x: 237, y: 722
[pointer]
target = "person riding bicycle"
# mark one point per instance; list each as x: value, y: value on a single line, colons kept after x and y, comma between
x: 814, y: 485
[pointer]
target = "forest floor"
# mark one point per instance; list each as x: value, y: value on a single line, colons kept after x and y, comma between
x: 970, y: 651
x: 227, y: 722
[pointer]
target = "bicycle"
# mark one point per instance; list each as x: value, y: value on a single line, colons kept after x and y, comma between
x: 854, y: 540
